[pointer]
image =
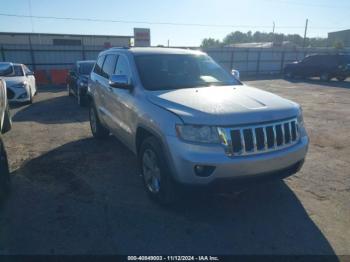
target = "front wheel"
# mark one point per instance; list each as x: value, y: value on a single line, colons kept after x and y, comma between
x: 97, y: 129
x: 30, y: 98
x: 341, y: 78
x: 156, y: 175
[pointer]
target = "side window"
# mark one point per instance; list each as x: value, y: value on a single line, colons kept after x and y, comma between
x: 98, y: 65
x: 109, y: 65
x: 123, y: 67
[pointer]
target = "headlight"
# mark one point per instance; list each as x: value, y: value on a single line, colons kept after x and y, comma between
x: 20, y: 85
x: 82, y: 83
x: 198, y: 134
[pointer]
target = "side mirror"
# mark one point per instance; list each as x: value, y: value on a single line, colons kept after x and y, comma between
x: 120, y: 81
x: 72, y: 73
x: 235, y: 74
x: 30, y: 73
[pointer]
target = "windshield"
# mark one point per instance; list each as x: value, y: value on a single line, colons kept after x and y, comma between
x: 6, y: 70
x: 162, y: 72
x: 85, y: 68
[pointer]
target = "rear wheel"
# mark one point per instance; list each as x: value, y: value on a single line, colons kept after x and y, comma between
x: 97, y: 129
x: 325, y: 77
x: 5, y: 180
x: 156, y: 174
x: 81, y: 98
x: 69, y: 90
x: 341, y: 78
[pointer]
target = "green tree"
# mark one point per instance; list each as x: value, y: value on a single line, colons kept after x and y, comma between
x: 210, y: 42
x: 338, y: 45
x: 258, y: 37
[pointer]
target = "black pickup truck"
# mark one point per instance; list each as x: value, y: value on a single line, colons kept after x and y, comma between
x: 324, y: 66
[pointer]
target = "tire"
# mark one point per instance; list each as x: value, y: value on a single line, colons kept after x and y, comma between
x: 81, y: 99
x: 5, y: 179
x: 325, y: 77
x: 341, y: 78
x: 97, y: 129
x: 68, y: 90
x: 7, y: 125
x: 30, y: 98
x: 156, y: 175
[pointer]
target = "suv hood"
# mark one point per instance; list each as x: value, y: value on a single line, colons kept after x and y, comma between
x: 224, y: 105
x: 10, y: 81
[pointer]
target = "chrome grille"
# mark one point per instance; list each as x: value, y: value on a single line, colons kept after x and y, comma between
x: 256, y: 139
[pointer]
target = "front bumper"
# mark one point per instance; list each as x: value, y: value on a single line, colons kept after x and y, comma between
x: 184, y: 157
x: 18, y: 94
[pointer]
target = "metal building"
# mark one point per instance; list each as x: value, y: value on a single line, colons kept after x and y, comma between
x: 63, y: 40
x: 58, y: 51
x: 339, y: 37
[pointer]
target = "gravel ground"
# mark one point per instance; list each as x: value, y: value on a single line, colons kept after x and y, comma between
x: 75, y: 195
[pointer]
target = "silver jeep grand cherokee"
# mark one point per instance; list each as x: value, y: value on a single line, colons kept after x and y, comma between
x: 191, y: 122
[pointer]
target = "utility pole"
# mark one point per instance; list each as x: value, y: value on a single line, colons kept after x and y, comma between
x: 306, y: 24
x: 31, y: 17
x: 273, y: 33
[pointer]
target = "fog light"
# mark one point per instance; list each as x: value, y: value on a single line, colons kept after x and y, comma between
x: 203, y: 171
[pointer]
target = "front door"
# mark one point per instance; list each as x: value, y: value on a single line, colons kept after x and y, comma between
x: 121, y: 103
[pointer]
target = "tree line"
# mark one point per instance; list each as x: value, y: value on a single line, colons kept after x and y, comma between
x: 238, y: 37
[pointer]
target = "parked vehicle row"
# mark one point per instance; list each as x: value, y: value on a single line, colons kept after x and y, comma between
x: 324, y: 66
x: 189, y: 122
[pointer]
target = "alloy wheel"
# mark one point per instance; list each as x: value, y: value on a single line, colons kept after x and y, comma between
x: 151, y: 171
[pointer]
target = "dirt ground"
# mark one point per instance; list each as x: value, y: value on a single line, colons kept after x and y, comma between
x: 75, y: 195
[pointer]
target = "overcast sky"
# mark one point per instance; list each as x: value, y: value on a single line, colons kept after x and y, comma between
x: 224, y: 16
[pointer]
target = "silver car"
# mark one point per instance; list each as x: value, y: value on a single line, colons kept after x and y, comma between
x: 192, y: 123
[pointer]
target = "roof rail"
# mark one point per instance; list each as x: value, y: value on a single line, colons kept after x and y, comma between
x: 120, y: 47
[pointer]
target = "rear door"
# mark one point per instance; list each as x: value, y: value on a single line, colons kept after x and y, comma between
x: 96, y: 84
x: 104, y: 89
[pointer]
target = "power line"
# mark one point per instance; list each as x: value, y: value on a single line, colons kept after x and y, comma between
x: 318, y: 5
x: 149, y: 22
